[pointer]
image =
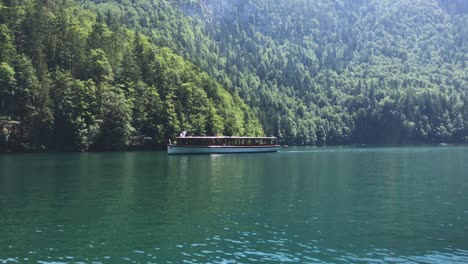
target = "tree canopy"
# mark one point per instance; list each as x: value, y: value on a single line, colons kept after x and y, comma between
x: 73, y: 79
x: 92, y: 74
x: 325, y: 72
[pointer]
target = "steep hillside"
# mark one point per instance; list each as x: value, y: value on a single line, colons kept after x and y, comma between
x: 72, y: 79
x: 325, y: 72
x: 84, y: 74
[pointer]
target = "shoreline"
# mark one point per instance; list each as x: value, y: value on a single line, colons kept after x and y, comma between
x: 163, y: 148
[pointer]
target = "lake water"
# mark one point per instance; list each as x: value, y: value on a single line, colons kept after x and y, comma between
x: 307, y: 205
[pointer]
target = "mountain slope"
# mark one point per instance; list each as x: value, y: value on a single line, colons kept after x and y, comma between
x: 72, y: 79
x: 80, y: 75
x: 325, y: 72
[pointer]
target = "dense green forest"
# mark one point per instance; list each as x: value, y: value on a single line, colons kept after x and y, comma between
x: 72, y: 79
x: 111, y: 74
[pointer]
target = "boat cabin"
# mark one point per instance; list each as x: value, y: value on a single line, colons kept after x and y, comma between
x: 226, y: 141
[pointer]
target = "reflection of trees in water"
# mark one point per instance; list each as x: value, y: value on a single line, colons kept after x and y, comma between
x: 217, y: 183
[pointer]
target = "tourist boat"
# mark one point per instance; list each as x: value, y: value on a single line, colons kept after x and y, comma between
x: 222, y: 144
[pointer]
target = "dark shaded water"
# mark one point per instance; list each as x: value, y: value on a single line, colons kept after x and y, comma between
x: 406, y: 204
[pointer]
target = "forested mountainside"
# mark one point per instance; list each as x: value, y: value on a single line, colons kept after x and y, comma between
x: 111, y: 74
x: 73, y: 79
x: 325, y: 72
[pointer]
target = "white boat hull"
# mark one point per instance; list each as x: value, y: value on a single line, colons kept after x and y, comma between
x: 177, y: 149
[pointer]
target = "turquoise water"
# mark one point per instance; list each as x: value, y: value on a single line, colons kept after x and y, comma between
x: 307, y: 205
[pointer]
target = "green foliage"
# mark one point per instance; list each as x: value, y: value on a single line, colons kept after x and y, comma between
x: 7, y: 50
x: 147, y: 111
x: 72, y: 79
x: 104, y: 75
x: 24, y: 103
x: 99, y: 67
x: 324, y: 72
x: 116, y: 120
x: 76, y: 112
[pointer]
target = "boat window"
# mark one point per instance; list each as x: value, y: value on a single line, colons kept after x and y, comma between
x: 226, y: 141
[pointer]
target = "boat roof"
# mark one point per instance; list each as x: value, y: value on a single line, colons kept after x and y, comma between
x: 225, y: 137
